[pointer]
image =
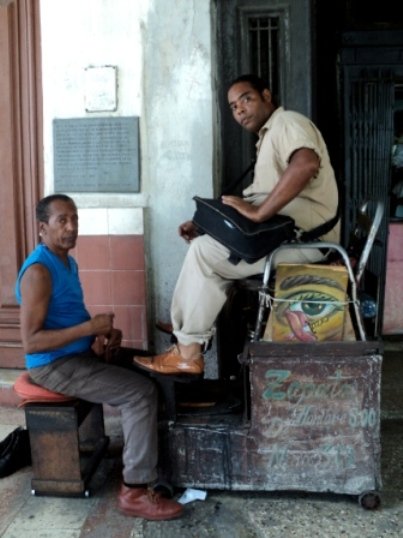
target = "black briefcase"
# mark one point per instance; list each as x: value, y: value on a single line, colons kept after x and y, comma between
x: 246, y: 240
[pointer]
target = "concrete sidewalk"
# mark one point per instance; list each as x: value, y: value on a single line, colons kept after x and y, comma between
x: 222, y: 514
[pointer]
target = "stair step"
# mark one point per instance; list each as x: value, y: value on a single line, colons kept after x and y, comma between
x: 7, y: 379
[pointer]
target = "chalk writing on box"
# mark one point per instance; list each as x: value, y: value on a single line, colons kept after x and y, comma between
x: 314, y: 416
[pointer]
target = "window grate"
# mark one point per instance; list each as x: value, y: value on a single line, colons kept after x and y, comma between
x: 264, y: 37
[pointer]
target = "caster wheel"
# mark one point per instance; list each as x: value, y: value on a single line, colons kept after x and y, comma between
x: 33, y: 492
x: 87, y: 493
x: 370, y: 500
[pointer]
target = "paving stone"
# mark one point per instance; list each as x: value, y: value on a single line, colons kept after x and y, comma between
x: 223, y: 514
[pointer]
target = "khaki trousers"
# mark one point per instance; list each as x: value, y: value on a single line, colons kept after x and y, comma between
x: 202, y: 285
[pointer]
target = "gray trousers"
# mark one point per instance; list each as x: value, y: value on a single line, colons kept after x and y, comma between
x: 87, y: 377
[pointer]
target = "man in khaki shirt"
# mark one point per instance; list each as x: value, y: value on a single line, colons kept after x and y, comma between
x: 292, y: 176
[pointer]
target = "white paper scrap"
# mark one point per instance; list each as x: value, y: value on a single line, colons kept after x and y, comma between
x: 190, y: 495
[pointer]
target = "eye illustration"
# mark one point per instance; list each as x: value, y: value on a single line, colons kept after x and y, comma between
x: 309, y: 308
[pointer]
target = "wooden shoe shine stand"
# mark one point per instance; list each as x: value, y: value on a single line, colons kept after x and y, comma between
x: 67, y: 439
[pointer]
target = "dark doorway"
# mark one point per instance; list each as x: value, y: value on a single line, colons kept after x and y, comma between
x: 270, y: 39
x: 343, y: 69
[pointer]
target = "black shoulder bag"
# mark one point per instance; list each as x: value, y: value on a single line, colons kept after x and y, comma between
x: 245, y: 239
x: 15, y: 452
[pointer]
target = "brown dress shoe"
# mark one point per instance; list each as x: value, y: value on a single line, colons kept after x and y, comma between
x: 172, y: 363
x: 148, y: 504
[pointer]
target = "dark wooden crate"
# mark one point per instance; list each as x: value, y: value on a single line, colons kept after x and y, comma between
x: 312, y: 424
x: 67, y: 443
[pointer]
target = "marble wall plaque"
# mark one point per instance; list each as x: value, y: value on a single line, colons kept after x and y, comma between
x: 96, y: 154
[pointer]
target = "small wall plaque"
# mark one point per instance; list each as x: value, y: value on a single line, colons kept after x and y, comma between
x: 100, y: 88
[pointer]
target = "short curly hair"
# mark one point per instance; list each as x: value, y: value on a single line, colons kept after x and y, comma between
x: 256, y: 82
x: 42, y: 207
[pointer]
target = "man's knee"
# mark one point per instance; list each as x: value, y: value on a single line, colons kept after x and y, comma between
x: 207, y: 249
x: 146, y: 386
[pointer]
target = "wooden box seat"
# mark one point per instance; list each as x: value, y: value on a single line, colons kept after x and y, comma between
x: 67, y: 438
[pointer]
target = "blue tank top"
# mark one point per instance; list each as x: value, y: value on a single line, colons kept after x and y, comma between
x: 66, y: 304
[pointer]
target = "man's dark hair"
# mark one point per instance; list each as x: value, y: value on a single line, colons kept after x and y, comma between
x: 256, y: 82
x: 42, y: 208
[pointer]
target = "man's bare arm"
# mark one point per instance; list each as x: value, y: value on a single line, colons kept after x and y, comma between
x: 35, y: 292
x: 304, y: 164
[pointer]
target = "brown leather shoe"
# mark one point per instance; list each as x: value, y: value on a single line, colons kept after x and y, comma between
x: 172, y: 363
x: 148, y: 504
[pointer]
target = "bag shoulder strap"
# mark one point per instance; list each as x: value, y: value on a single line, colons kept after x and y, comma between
x: 305, y: 236
x: 320, y: 230
x: 238, y: 180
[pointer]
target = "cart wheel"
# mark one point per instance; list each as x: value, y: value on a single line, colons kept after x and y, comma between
x: 370, y: 500
x: 164, y: 489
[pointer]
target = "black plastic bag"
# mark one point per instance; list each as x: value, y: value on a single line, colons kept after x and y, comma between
x: 15, y: 452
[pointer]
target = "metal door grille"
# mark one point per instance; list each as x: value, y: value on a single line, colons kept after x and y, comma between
x: 368, y: 141
x: 369, y: 138
x: 264, y: 47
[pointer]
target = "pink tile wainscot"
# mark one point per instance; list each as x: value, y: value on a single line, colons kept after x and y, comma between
x: 112, y: 273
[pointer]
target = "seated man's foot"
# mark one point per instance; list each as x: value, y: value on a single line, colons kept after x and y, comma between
x: 172, y: 363
x: 148, y: 504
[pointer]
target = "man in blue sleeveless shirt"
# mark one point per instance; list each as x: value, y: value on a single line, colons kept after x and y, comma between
x: 66, y: 348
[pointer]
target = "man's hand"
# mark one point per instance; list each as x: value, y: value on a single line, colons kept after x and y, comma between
x: 102, y: 324
x: 108, y: 345
x: 113, y: 344
x: 188, y: 231
x: 244, y: 208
